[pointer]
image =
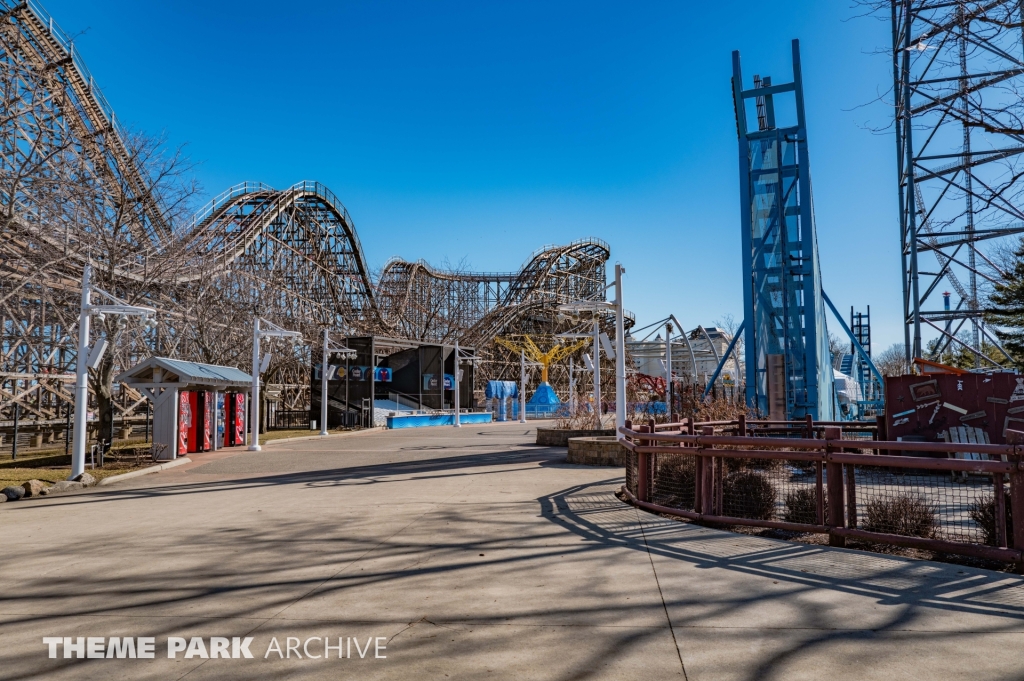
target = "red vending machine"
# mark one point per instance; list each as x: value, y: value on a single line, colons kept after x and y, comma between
x: 234, y: 419
x: 207, y: 426
x: 195, y: 416
x: 184, y: 421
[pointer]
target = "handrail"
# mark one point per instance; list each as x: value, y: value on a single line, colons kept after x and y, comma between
x: 844, y: 475
x: 68, y: 45
x: 831, y: 445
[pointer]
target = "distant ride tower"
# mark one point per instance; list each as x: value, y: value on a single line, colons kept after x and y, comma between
x: 788, y: 367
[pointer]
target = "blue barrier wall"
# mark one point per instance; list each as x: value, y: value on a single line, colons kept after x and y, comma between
x: 423, y: 420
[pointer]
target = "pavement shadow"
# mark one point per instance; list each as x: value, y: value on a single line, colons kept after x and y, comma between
x: 249, y: 573
x: 462, y: 465
x: 909, y: 587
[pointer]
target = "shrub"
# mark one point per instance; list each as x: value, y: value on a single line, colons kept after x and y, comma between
x: 733, y: 465
x: 904, y: 515
x: 747, y: 494
x: 675, y: 480
x: 802, y: 506
x: 983, y: 512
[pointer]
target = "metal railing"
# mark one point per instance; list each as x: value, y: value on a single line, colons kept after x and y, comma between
x: 965, y: 499
x: 68, y: 45
x: 288, y: 419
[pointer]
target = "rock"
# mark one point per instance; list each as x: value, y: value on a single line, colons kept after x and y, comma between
x: 13, y: 493
x: 34, y: 488
x: 3, y: 498
x: 63, y: 486
x: 85, y: 479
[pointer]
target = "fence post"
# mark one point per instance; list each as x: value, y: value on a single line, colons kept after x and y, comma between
x: 1017, y: 502
x: 819, y: 489
x: 999, y: 494
x: 641, y: 468
x: 1016, y: 494
x: 707, y: 477
x: 698, y: 473
x: 629, y: 455
x: 880, y: 433
x: 834, y: 480
x: 741, y: 425
x: 651, y: 459
x: 851, y: 496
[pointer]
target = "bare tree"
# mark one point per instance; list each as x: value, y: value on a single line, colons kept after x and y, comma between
x: 837, y: 347
x: 892, y: 361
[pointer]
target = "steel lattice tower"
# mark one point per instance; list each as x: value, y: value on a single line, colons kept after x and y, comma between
x: 789, y: 374
x: 959, y: 119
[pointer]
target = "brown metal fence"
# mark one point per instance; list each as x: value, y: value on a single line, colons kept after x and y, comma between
x: 831, y: 479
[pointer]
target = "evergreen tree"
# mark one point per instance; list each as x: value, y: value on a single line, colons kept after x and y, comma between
x: 1007, y: 309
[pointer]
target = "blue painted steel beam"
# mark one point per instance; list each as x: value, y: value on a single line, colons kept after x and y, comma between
x: 725, y: 358
x: 783, y: 309
x: 856, y: 343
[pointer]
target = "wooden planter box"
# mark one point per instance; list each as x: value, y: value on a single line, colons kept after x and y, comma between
x: 559, y: 437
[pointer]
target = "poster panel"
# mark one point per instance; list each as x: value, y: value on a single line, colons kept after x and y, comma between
x: 184, y: 421
x: 207, y: 420
x: 239, y: 418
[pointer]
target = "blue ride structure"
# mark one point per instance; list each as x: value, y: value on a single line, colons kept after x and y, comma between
x: 788, y: 365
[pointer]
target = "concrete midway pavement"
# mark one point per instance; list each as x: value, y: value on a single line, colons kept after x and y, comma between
x: 467, y: 554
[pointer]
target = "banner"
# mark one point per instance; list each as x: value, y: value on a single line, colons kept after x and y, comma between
x: 430, y: 382
x: 382, y: 374
x: 239, y: 418
x: 207, y: 420
x: 449, y: 382
x: 184, y: 421
x: 358, y: 373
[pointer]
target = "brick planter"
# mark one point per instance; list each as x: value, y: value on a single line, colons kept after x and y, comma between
x: 559, y: 437
x: 597, y: 451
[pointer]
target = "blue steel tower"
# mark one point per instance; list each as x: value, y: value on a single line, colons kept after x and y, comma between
x: 788, y: 366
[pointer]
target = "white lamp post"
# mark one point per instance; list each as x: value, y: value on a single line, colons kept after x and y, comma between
x: 598, y: 410
x: 455, y: 420
x: 89, y: 358
x: 572, y: 388
x: 614, y: 307
x: 620, y: 352
x: 595, y: 366
x: 323, y: 377
x: 459, y: 359
x: 522, y: 386
x: 668, y: 368
x: 272, y: 331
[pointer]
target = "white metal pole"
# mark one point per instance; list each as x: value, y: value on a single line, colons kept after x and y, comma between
x: 255, y: 421
x: 81, y: 378
x: 323, y: 389
x: 456, y: 423
x: 668, y: 369
x: 522, y: 386
x: 597, y: 372
x: 620, y: 353
x: 572, y: 388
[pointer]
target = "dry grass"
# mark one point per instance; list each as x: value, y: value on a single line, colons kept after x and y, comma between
x: 19, y: 476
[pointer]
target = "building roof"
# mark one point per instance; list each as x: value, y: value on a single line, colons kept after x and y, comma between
x: 186, y: 374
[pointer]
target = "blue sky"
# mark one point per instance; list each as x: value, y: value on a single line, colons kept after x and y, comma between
x: 480, y: 131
